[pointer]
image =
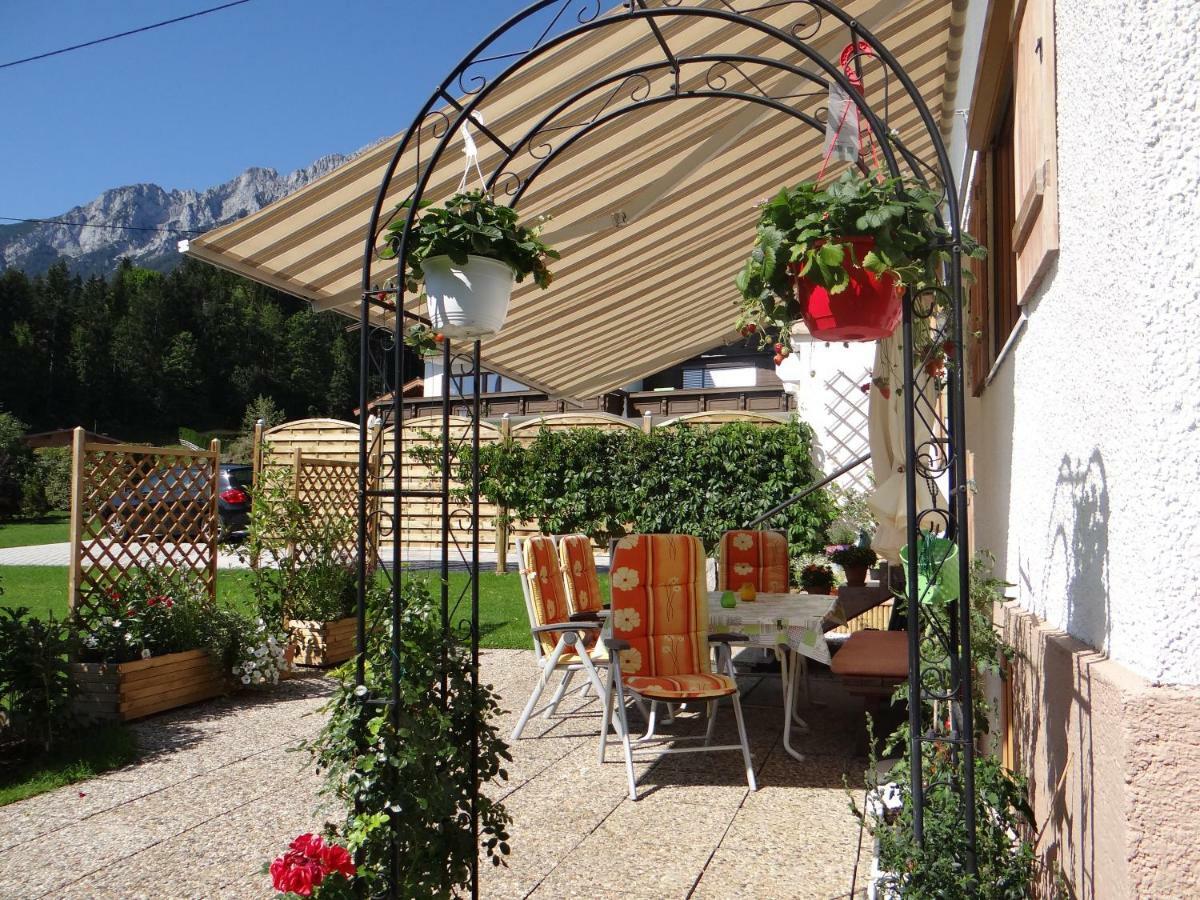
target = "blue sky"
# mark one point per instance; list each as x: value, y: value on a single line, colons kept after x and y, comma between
x: 273, y: 83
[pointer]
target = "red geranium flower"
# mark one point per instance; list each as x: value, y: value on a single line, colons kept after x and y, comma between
x: 306, y: 864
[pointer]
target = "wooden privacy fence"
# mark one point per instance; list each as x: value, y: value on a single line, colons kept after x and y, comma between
x: 321, y: 456
x: 134, y: 506
x: 419, y: 533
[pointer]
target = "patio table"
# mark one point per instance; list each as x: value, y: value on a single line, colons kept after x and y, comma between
x: 785, y: 624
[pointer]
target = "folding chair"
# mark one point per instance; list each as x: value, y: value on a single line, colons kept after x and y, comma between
x: 562, y: 644
x: 759, y: 558
x: 661, y: 649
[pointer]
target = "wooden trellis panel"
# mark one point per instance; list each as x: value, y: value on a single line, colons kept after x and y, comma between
x: 134, y: 506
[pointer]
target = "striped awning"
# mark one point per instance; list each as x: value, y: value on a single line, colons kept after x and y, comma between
x: 653, y: 212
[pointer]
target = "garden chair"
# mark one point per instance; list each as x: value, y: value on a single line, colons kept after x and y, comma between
x: 559, y: 644
x: 578, y: 562
x: 759, y: 558
x: 660, y: 650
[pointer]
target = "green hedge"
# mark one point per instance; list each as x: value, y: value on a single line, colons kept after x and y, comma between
x: 692, y: 480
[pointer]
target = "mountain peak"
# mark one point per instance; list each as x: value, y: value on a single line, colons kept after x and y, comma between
x: 145, y: 221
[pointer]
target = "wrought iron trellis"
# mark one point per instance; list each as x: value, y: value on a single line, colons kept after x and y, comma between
x: 935, y: 445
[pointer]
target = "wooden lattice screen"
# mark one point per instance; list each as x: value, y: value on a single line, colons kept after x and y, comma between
x: 328, y: 489
x: 135, y: 506
x: 846, y: 435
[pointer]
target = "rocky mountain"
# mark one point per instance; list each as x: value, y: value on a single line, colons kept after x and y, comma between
x: 97, y: 248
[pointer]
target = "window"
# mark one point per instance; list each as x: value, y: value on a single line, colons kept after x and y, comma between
x: 994, y: 309
x: 1013, y: 207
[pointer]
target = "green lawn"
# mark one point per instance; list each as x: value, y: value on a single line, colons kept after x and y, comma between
x: 85, y: 755
x: 52, y: 528
x: 502, y: 619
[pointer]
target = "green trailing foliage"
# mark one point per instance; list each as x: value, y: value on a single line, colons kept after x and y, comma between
x: 305, y: 565
x: 407, y: 785
x: 678, y: 479
x: 1005, y: 856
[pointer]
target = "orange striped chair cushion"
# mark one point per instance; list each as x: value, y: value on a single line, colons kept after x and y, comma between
x: 660, y: 605
x: 546, y: 589
x: 579, y: 573
x: 759, y: 558
x: 682, y: 687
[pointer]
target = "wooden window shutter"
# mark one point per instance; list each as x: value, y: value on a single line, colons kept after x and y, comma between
x: 1035, y: 232
x: 978, y: 338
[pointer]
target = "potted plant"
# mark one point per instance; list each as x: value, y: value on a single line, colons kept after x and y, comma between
x: 154, y: 641
x: 305, y: 577
x: 816, y: 578
x: 854, y: 560
x: 840, y: 257
x: 468, y: 254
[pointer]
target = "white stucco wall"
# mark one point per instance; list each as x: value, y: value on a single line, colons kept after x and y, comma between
x: 1087, y: 442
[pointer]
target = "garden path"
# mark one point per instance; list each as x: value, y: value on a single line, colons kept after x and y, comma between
x: 219, y: 792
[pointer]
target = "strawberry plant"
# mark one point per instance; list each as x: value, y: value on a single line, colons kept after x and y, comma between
x: 806, y: 227
x: 470, y: 223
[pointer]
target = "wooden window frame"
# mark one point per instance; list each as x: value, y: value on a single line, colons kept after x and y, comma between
x: 1013, y: 195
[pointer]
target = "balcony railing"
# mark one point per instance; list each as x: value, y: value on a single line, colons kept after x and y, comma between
x: 631, y: 404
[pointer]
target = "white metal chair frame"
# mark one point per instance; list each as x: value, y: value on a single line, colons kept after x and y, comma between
x: 617, y: 689
x: 570, y: 637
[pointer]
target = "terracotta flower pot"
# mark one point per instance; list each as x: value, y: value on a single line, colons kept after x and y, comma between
x: 856, y: 576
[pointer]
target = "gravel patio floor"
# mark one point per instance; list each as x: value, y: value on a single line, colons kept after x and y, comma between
x: 219, y: 791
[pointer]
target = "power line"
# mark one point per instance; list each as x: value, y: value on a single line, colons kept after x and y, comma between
x: 168, y: 229
x: 113, y: 37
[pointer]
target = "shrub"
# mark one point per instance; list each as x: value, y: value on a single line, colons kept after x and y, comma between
x: 35, y: 684
x: 54, y: 472
x: 407, y: 788
x: 305, y: 564
x: 16, y: 469
x: 678, y: 479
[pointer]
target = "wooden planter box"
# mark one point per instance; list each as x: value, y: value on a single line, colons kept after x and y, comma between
x: 322, y: 643
x: 124, y: 691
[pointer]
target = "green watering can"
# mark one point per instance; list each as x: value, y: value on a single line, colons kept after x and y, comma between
x: 937, y: 569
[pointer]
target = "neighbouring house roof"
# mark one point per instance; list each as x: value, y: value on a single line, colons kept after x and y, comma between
x: 632, y: 294
x: 62, y: 437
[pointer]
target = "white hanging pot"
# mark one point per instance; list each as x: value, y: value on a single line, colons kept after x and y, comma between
x: 468, y: 301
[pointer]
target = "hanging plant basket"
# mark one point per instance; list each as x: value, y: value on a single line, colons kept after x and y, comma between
x: 467, y: 301
x: 867, y: 309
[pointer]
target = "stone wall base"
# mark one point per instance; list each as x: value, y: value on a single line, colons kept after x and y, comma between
x: 1113, y: 763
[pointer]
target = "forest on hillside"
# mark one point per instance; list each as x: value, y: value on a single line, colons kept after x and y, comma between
x: 142, y: 353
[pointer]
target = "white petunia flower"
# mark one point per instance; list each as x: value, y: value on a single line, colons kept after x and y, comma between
x: 245, y: 679
x: 624, y: 579
x: 129, y: 637
x: 145, y: 653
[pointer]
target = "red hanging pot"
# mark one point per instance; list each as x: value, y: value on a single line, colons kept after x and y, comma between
x: 867, y: 309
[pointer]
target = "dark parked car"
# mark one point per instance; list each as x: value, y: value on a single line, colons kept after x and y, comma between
x: 163, y: 504
x: 233, y: 500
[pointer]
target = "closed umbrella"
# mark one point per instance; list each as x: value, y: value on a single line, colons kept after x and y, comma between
x: 885, y: 430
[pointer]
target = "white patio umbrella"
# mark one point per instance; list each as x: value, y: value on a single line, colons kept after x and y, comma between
x: 885, y: 430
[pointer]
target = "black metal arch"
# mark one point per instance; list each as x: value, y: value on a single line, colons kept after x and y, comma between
x: 942, y: 455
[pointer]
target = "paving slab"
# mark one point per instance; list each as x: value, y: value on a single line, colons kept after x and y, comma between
x: 220, y: 790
